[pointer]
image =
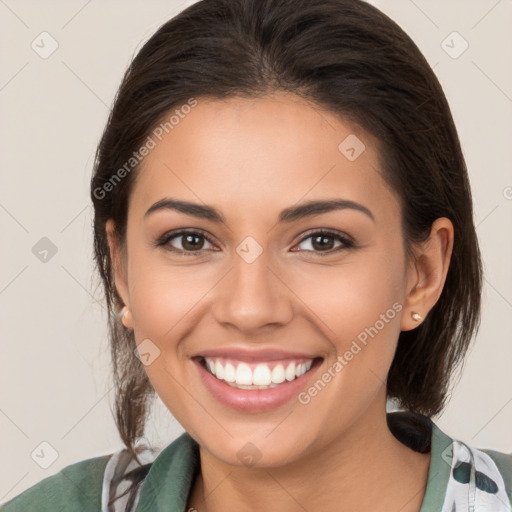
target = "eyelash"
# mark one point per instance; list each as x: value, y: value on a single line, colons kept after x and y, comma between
x: 346, y: 241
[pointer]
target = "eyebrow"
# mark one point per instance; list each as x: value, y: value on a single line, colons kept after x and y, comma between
x: 290, y: 214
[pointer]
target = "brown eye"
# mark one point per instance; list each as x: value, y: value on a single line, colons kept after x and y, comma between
x: 324, y: 242
x: 185, y: 242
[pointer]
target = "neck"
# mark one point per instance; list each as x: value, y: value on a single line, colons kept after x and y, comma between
x: 364, y: 466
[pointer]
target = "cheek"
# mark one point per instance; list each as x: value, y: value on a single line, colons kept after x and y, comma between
x: 166, y: 302
x: 163, y: 294
x: 360, y: 310
x: 347, y: 299
x: 358, y: 307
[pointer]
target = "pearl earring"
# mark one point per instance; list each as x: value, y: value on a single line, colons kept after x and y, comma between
x: 416, y: 316
x: 123, y: 315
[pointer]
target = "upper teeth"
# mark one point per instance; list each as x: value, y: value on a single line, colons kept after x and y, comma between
x: 242, y: 374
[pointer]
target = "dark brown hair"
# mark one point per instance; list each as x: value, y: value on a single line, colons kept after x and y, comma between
x: 345, y: 56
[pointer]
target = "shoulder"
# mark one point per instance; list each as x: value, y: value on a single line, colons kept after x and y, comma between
x: 503, y: 462
x: 76, y: 487
x: 486, y: 474
x: 459, y: 473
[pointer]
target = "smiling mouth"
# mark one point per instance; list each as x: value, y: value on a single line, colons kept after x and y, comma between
x: 261, y: 375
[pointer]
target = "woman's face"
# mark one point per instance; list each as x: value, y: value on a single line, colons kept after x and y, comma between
x: 262, y: 291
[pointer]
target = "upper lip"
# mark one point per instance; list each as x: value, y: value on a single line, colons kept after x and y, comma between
x: 249, y: 355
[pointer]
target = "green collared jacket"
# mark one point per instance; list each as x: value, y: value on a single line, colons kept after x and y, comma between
x: 461, y: 478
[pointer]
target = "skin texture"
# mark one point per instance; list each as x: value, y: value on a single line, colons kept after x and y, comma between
x: 251, y: 158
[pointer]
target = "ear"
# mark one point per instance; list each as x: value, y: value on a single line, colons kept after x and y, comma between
x: 427, y: 272
x: 119, y: 269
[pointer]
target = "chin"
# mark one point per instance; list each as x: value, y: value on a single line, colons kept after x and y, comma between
x: 256, y: 451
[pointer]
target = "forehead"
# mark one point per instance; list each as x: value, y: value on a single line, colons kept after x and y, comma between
x: 255, y: 156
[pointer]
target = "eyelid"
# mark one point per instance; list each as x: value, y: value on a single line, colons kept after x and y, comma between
x: 342, y: 236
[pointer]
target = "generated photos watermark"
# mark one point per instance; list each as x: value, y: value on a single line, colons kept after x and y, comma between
x: 149, y: 144
x: 342, y: 360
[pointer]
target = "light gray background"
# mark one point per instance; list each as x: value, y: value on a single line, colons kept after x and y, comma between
x: 55, y: 360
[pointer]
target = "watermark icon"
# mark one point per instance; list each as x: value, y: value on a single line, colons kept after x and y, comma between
x: 44, y: 45
x: 44, y: 455
x: 507, y: 192
x: 249, y: 455
x: 454, y: 45
x: 249, y: 250
x: 149, y: 144
x: 44, y: 250
x: 351, y: 147
x: 147, y: 352
x: 342, y: 360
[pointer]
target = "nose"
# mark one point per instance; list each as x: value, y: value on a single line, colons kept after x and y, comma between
x: 253, y: 297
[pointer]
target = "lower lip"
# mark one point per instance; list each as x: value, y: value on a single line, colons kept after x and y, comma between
x: 255, y: 400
